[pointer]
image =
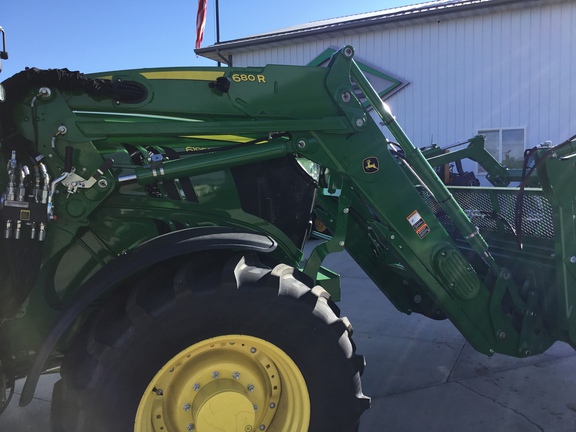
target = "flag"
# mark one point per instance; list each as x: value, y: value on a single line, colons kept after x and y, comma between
x: 200, y: 21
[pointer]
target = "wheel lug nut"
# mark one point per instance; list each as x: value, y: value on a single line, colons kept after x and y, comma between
x: 186, y: 407
x: 236, y: 375
x: 255, y: 407
x: 272, y: 405
x: 196, y: 387
x: 191, y: 427
x: 215, y: 375
x: 250, y: 388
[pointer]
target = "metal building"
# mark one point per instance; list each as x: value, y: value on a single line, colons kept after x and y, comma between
x: 503, y: 68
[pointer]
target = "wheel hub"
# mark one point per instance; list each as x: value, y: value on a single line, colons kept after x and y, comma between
x: 223, y: 405
x: 229, y: 383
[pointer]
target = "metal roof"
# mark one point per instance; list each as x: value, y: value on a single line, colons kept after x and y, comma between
x: 362, y: 23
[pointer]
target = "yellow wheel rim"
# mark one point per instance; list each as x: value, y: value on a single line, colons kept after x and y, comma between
x: 230, y: 383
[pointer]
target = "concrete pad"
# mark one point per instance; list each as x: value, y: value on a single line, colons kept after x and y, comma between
x: 43, y: 391
x: 444, y: 408
x: 399, y: 365
x: 370, y: 311
x: 544, y: 393
x: 36, y: 416
x: 473, y: 364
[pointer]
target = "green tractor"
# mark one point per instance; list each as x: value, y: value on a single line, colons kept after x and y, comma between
x: 153, y: 223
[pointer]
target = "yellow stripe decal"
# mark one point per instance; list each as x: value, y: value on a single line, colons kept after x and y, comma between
x: 183, y: 75
x: 229, y: 138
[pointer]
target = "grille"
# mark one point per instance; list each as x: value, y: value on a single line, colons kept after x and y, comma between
x: 481, y: 204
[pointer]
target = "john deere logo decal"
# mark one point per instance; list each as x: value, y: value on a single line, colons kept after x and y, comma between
x: 370, y: 165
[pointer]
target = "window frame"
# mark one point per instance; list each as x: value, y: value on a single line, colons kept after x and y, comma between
x: 479, y: 170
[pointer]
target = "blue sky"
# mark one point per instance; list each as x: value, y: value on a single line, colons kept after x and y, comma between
x: 126, y: 34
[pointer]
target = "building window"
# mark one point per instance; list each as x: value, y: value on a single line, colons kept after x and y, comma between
x: 506, y: 145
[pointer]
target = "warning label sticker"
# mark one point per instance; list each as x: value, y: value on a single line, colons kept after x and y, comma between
x: 421, y: 228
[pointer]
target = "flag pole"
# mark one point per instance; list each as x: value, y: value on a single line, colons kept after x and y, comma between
x: 217, y: 22
x: 217, y: 9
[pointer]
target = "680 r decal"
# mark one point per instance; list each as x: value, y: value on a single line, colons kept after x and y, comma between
x: 249, y: 78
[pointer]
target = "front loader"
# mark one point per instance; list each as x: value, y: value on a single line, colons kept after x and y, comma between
x: 153, y: 223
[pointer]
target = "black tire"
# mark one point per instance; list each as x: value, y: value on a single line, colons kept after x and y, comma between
x: 121, y: 348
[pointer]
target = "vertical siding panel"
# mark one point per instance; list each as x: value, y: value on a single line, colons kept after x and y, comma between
x: 434, y: 76
x: 299, y: 57
x: 400, y: 105
x: 390, y: 60
x: 368, y: 48
x: 240, y: 58
x: 395, y: 43
x: 467, y: 56
x: 441, y: 90
x: 495, y: 72
x: 524, y: 49
x: 412, y: 111
x: 510, y: 36
x: 506, y: 86
x: 524, y: 74
x: 547, y: 31
x: 533, y: 69
x: 555, y: 93
x: 426, y: 55
x: 455, y: 106
x: 557, y: 49
x: 539, y: 72
x: 313, y: 50
x: 399, y: 102
x: 450, y: 97
x: 414, y: 108
x: 567, y: 75
x: 385, y: 48
x: 519, y: 52
x: 377, y: 52
x: 360, y: 42
x: 295, y: 54
x: 488, y: 91
x: 259, y: 59
x: 478, y: 73
x: 290, y: 52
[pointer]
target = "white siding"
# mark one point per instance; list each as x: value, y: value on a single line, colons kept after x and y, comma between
x: 500, y: 70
